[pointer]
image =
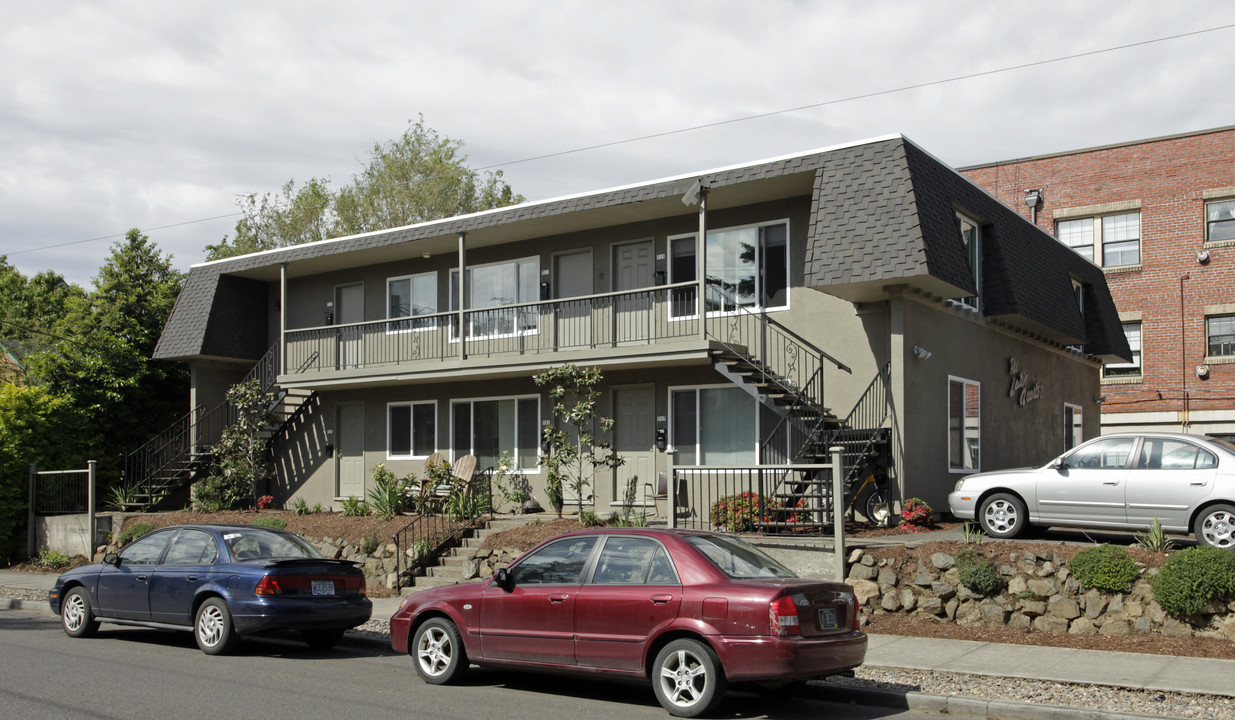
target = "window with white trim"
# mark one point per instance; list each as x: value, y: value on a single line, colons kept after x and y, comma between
x: 964, y: 425
x: 1220, y: 336
x: 488, y: 427
x: 1116, y: 239
x: 496, y: 285
x: 411, y: 429
x: 411, y: 295
x: 748, y: 267
x: 721, y: 425
x: 971, y: 238
x: 1073, y: 427
x: 1132, y: 331
x: 1220, y: 220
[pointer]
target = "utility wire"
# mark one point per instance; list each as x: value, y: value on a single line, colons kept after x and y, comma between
x: 745, y: 118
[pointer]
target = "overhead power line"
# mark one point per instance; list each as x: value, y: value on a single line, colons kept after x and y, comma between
x: 731, y: 121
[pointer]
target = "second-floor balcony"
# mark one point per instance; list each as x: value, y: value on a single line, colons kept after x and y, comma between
x: 648, y: 322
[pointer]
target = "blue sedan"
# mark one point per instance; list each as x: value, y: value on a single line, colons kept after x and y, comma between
x: 219, y: 582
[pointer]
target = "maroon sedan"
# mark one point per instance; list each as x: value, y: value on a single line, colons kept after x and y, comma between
x: 688, y: 610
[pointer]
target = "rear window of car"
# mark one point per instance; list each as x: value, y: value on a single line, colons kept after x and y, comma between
x: 737, y: 559
x: 259, y: 544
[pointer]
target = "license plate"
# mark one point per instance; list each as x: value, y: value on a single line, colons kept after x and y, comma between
x: 323, y: 587
x: 827, y: 618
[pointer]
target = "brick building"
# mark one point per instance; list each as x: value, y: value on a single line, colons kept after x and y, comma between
x: 1158, y: 216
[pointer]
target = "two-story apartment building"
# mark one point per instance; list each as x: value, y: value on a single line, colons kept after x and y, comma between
x: 867, y: 274
x: 1158, y: 216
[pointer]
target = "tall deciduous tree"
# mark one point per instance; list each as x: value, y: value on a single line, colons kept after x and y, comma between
x: 421, y: 176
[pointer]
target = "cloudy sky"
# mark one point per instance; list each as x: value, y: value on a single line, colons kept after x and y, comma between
x: 158, y: 115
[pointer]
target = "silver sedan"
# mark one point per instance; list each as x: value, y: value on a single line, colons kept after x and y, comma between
x: 1121, y: 481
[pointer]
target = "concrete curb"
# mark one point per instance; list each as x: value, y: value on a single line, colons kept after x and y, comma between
x: 32, y: 605
x: 974, y: 707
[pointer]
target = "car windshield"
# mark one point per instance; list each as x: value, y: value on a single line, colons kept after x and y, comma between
x: 259, y: 544
x: 737, y: 559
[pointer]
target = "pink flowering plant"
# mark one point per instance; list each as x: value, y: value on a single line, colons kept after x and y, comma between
x: 265, y: 501
x: 742, y: 512
x: 915, y: 516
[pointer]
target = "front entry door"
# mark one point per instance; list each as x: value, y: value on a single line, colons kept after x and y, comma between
x: 349, y: 449
x: 349, y: 308
x: 633, y: 265
x: 634, y: 434
x: 572, y: 276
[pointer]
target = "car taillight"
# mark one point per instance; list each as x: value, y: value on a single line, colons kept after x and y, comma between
x: 268, y: 585
x: 854, y: 612
x: 783, y: 614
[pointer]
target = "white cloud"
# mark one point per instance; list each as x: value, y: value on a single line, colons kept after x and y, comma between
x: 123, y: 114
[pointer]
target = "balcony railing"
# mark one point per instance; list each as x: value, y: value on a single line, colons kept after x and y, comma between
x: 609, y: 320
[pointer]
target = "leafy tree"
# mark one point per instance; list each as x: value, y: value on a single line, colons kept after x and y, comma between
x: 100, y: 359
x: 242, y: 464
x: 31, y: 308
x: 34, y: 428
x: 576, y: 450
x: 419, y: 177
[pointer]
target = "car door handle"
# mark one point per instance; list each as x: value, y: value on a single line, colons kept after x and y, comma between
x: 1199, y: 482
x: 558, y: 599
x: 191, y: 578
x: 1110, y: 482
x: 142, y: 578
x: 661, y: 599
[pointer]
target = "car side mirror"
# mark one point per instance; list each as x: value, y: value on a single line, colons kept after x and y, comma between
x: 1060, y: 464
x: 111, y: 559
x: 503, y: 579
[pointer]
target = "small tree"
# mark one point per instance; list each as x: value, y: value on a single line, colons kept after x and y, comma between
x: 241, y: 463
x: 575, y: 451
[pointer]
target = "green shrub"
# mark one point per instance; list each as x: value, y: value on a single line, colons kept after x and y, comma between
x: 589, y: 519
x: 300, y: 506
x: 53, y: 559
x: 270, y: 522
x: 133, y: 532
x: 369, y: 543
x: 355, y: 507
x: 1190, y: 579
x: 386, y: 497
x: 1104, y: 567
x: 978, y: 572
x: 742, y: 512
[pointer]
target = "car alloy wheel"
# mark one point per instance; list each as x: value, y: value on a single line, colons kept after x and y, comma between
x: 213, y: 628
x: 439, y: 652
x: 1002, y: 516
x: 688, y: 678
x: 76, y: 615
x: 1216, y: 526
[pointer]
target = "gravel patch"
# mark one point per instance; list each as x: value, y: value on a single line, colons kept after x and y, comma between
x: 23, y: 594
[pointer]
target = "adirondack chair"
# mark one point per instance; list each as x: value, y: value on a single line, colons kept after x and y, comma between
x: 463, y: 470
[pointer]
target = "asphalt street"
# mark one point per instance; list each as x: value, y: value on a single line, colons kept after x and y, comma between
x: 130, y: 672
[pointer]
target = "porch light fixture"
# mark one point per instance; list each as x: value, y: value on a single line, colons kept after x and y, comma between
x: 920, y: 352
x: 1033, y: 197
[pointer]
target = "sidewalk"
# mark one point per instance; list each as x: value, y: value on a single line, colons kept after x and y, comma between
x: 1047, y: 664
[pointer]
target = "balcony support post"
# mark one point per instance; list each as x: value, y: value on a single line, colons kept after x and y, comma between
x: 462, y: 295
x: 702, y: 255
x: 282, y: 319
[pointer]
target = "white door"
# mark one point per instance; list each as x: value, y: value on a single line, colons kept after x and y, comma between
x: 634, y: 435
x: 349, y: 308
x: 349, y: 449
x: 633, y: 267
x: 572, y: 277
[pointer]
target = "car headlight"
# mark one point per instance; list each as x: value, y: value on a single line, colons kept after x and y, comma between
x: 959, y: 483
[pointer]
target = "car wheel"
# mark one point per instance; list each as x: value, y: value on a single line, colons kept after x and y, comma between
x: 321, y: 639
x: 1216, y: 526
x: 76, y: 615
x: 877, y: 509
x: 1002, y: 515
x: 213, y: 628
x: 438, y: 651
x: 688, y: 678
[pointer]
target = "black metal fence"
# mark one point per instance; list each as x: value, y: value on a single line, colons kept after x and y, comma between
x: 768, y: 499
x: 441, y: 524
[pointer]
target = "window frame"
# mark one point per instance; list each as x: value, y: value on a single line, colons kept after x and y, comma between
x: 1102, y: 226
x: 973, y: 253
x: 1209, y: 223
x: 517, y: 324
x: 977, y: 463
x: 411, y: 440
x: 1073, y: 426
x: 456, y: 453
x: 760, y: 272
x: 412, y: 325
x: 698, y: 429
x: 1136, y: 364
x: 1211, y: 356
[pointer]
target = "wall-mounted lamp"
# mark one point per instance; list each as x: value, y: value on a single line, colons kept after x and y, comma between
x: 425, y: 255
x: 691, y: 195
x: 1099, y: 399
x: 1034, y: 198
x: 920, y: 352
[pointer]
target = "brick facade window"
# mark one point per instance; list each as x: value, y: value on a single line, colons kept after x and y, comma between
x: 1117, y: 236
x: 1220, y: 336
x: 1132, y: 331
x: 1220, y: 220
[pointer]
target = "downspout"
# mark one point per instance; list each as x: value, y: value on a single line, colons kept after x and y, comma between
x: 1184, y: 423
